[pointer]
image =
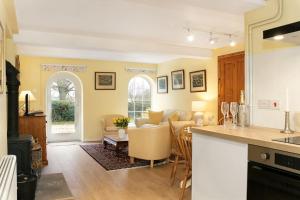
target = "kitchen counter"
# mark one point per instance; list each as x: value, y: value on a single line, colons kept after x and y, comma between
x: 220, y: 159
x: 253, y: 135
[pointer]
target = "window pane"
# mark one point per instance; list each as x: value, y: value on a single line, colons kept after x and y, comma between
x: 139, y: 97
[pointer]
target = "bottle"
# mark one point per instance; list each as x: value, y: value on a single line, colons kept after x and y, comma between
x: 243, y: 111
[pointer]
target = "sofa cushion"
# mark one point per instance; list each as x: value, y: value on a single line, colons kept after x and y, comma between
x: 155, y: 117
x: 185, y: 115
x: 140, y: 122
x: 174, y: 116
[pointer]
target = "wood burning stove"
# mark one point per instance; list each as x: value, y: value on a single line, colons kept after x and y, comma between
x: 19, y: 145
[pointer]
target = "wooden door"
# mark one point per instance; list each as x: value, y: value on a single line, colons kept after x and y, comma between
x: 231, y: 72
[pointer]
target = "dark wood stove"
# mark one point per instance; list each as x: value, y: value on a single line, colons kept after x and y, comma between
x: 19, y: 145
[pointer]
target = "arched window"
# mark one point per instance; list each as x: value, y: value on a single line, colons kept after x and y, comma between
x: 139, y: 97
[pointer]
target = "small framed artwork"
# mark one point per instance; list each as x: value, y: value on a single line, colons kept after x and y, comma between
x: 162, y: 84
x: 178, y: 79
x: 105, y: 80
x: 198, y: 81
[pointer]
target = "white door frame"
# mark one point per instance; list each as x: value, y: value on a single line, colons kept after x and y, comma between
x: 78, y: 135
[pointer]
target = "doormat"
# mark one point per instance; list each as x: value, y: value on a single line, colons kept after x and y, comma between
x: 53, y: 187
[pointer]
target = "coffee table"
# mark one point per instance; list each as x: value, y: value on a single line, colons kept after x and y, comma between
x: 115, y: 141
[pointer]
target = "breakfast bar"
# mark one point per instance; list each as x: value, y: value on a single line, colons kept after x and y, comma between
x: 221, y: 155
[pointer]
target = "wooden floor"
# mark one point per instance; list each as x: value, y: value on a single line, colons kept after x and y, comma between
x: 89, y: 181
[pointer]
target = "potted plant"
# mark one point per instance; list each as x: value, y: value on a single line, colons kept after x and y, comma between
x: 121, y: 123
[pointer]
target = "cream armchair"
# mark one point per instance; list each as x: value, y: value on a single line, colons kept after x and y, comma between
x: 151, y: 143
x: 107, y: 125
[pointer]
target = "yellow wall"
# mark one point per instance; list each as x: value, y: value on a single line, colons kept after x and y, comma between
x: 182, y: 99
x: 10, y: 53
x: 96, y: 103
x: 273, y: 65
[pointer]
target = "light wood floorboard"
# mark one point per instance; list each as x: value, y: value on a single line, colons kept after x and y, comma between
x: 87, y: 180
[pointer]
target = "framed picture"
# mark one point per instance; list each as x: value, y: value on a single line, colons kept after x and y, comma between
x: 105, y: 80
x: 1, y: 57
x: 162, y: 84
x: 178, y: 80
x: 198, y: 81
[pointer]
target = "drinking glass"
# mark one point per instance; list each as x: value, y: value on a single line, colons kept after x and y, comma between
x: 234, y: 110
x: 224, y: 110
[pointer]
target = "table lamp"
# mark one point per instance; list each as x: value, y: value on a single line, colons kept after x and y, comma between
x: 26, y: 96
x: 198, y: 107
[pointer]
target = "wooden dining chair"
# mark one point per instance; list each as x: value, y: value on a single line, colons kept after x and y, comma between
x: 175, y: 151
x: 185, y: 144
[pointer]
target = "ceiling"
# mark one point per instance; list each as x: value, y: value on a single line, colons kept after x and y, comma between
x: 149, y: 31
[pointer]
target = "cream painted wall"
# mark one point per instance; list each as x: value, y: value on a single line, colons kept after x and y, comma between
x: 96, y: 103
x: 182, y: 99
x: 275, y: 65
x: 9, y: 52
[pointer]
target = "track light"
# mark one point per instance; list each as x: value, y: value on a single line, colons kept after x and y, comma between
x: 211, y: 39
x: 232, y: 43
x: 190, y: 36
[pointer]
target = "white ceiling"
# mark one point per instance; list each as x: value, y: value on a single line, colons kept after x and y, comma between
x: 132, y: 30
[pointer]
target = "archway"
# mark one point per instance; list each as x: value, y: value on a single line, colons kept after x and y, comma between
x: 64, y: 107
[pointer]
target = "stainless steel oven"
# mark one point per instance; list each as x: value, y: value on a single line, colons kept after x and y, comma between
x: 273, y: 174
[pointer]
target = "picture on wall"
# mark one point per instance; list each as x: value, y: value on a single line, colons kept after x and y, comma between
x: 105, y: 80
x: 162, y: 84
x: 1, y: 57
x: 178, y: 80
x: 198, y: 81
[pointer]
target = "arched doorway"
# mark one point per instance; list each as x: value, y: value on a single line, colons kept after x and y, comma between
x: 64, y: 107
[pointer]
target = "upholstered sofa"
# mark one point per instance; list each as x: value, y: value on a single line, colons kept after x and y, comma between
x: 149, y: 143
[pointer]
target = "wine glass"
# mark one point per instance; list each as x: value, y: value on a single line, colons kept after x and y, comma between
x: 224, y: 110
x: 234, y: 111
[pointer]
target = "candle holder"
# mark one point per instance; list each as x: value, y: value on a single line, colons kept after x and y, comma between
x: 287, y: 129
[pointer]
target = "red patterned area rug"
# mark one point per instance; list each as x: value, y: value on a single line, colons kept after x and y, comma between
x: 109, y: 160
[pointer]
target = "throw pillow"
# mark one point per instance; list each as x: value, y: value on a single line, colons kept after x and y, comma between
x: 174, y: 116
x: 155, y: 117
x: 185, y: 116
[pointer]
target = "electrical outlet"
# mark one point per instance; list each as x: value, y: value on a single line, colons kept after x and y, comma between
x: 268, y: 104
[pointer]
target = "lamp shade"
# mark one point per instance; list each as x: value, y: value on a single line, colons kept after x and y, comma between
x: 23, y: 94
x: 198, y: 106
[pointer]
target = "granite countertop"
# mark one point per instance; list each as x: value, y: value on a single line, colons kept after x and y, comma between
x: 251, y: 135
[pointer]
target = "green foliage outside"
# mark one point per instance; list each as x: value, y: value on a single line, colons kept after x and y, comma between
x: 62, y: 111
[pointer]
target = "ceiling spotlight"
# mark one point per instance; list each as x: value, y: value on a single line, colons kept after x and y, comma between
x: 211, y: 39
x: 232, y: 43
x: 190, y: 36
x: 278, y: 37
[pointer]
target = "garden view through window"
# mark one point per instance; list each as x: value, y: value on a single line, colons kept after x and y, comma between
x: 63, y: 107
x: 139, y: 98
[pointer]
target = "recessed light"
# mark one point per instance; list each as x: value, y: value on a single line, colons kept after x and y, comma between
x: 278, y: 37
x: 212, y: 41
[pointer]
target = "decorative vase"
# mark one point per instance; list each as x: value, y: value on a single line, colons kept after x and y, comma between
x: 122, y: 133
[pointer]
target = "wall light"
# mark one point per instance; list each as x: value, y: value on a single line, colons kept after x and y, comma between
x: 211, y: 39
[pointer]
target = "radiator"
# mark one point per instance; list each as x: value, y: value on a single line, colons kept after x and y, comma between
x: 8, y: 178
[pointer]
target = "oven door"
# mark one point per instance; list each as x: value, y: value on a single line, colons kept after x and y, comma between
x: 267, y: 183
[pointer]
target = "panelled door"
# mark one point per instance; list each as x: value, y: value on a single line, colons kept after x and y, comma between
x: 231, y: 74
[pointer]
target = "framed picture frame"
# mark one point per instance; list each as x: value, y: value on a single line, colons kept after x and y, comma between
x: 178, y: 81
x: 162, y: 84
x: 105, y: 80
x: 1, y: 58
x: 198, y: 81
